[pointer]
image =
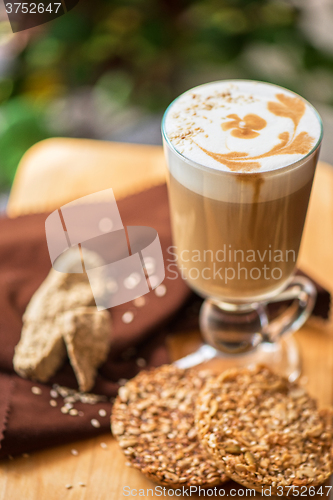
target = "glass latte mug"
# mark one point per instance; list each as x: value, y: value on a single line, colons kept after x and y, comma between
x: 241, y: 158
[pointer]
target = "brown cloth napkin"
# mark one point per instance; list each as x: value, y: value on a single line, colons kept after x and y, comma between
x: 24, y: 263
x: 28, y: 421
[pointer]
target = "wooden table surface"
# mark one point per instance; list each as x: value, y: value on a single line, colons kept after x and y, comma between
x: 59, y: 170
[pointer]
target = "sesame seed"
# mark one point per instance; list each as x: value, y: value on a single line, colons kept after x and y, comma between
x: 74, y: 452
x: 36, y: 390
x: 64, y: 410
x: 53, y: 403
x: 70, y: 399
x: 73, y: 412
x: 95, y: 423
x: 63, y: 392
x: 53, y: 393
x: 160, y: 291
x: 68, y: 405
x: 82, y: 484
x: 25, y: 455
x: 102, y: 412
x: 104, y: 446
x: 141, y: 362
x: 80, y: 413
x: 69, y: 486
x: 10, y: 457
x: 127, y: 317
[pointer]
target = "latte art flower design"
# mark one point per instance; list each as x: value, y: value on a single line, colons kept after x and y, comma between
x: 244, y: 128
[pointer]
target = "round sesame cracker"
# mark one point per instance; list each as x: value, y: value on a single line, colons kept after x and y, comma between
x: 153, y: 421
x: 264, y: 431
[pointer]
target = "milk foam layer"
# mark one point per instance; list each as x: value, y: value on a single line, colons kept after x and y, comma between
x: 242, y: 126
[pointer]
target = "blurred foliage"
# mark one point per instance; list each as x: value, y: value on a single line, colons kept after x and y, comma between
x: 143, y: 53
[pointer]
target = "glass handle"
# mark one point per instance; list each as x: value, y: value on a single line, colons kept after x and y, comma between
x: 303, y: 293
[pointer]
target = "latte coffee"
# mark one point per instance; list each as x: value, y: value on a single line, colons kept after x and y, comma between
x: 241, y: 157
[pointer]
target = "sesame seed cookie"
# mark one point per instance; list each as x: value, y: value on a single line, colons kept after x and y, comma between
x: 153, y: 421
x: 264, y: 431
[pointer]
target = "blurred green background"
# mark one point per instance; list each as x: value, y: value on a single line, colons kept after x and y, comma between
x: 109, y: 68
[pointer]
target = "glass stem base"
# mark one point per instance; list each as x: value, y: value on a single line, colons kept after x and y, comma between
x: 240, y: 335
